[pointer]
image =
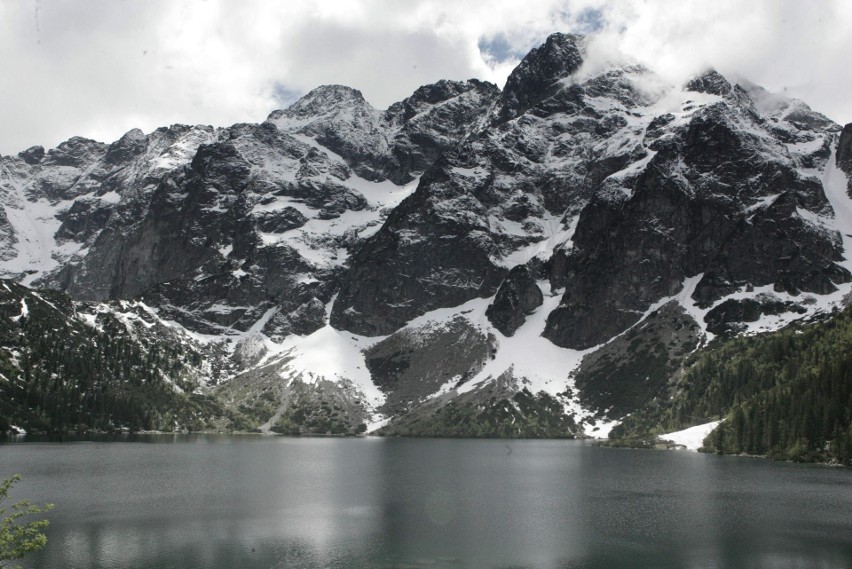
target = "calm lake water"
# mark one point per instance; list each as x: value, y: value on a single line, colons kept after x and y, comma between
x: 261, y: 502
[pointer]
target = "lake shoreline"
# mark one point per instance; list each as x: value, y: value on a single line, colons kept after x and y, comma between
x: 638, y: 443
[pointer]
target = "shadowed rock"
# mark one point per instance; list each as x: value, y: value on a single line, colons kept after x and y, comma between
x: 517, y: 297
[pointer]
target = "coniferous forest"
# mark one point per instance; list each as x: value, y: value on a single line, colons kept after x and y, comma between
x: 60, y: 374
x: 785, y: 394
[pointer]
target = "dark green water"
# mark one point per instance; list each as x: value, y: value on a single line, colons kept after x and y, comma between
x: 254, y: 502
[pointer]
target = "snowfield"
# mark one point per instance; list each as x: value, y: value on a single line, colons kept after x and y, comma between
x: 693, y: 437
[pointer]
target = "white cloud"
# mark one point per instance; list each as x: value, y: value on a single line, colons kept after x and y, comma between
x: 785, y: 45
x: 100, y: 67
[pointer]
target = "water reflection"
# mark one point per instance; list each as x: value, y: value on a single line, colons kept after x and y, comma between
x: 501, y: 508
x: 223, y: 502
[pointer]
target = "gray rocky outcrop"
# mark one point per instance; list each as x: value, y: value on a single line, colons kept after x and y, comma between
x: 844, y: 155
x: 536, y: 77
x: 414, y: 363
x: 517, y: 297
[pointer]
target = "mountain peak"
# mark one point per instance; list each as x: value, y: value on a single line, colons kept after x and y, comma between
x: 133, y: 143
x: 558, y: 57
x: 32, y: 155
x: 321, y: 100
x: 711, y: 82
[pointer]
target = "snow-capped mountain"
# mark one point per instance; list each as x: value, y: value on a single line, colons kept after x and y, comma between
x: 570, y: 238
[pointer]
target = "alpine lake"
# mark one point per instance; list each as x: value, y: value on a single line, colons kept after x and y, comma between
x: 251, y: 502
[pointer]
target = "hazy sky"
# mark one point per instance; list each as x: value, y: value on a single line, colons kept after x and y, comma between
x: 98, y: 68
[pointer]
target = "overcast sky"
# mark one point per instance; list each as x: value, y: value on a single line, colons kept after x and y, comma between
x: 98, y: 68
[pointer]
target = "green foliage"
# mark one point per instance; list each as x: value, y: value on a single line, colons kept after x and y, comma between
x: 258, y: 407
x: 786, y: 394
x: 630, y: 371
x: 58, y: 374
x: 19, y: 537
x: 624, y: 382
x: 524, y: 415
x: 315, y: 416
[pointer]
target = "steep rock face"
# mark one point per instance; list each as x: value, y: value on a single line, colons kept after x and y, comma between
x: 721, y: 196
x: 8, y: 239
x: 535, y: 78
x: 433, y: 251
x: 210, y: 241
x: 308, y: 317
x: 433, y: 120
x: 216, y: 227
x: 631, y: 202
x: 844, y: 154
x: 504, y: 196
x: 59, y: 202
x: 396, y: 144
x: 518, y: 296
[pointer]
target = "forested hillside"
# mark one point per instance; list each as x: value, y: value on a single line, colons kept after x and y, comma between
x: 785, y: 394
x: 60, y: 373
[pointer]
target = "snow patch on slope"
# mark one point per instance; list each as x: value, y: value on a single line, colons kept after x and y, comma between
x: 693, y: 437
x: 557, y: 234
x: 34, y: 225
x: 834, y: 182
x: 25, y: 310
x: 534, y: 361
x: 542, y: 365
x: 329, y: 354
x: 333, y: 355
x: 317, y: 240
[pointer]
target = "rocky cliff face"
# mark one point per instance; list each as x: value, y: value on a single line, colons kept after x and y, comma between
x: 630, y: 200
x: 844, y: 155
x: 724, y: 195
x: 537, y: 77
x: 518, y: 297
x: 520, y: 229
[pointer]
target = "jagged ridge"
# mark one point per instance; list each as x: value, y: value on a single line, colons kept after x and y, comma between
x: 571, y: 206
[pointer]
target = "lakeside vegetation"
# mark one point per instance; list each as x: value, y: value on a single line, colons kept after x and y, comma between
x: 785, y: 394
x: 523, y: 415
x: 58, y: 374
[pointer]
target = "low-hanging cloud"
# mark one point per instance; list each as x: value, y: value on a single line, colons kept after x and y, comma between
x: 100, y: 67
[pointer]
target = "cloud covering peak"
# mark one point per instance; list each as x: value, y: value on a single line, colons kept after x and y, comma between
x: 99, y: 68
